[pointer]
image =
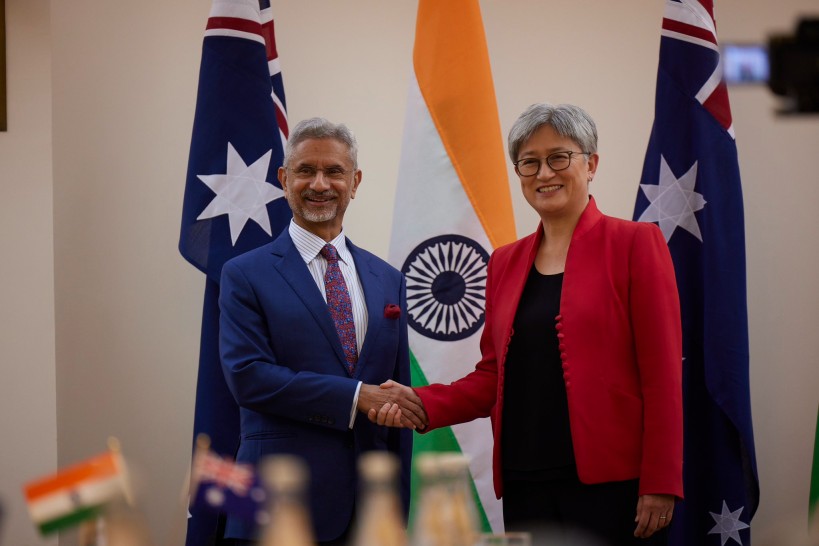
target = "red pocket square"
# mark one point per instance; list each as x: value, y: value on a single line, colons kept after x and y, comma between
x: 392, y: 311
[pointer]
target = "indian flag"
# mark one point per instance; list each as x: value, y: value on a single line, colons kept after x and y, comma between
x: 76, y: 493
x: 452, y: 208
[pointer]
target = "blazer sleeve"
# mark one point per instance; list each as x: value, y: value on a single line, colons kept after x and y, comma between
x: 255, y: 377
x: 655, y: 314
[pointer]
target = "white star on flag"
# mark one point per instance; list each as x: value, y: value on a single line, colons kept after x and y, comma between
x: 673, y: 201
x: 728, y: 524
x: 242, y: 193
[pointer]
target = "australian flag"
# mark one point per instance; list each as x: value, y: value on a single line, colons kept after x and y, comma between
x: 233, y: 202
x: 220, y: 485
x: 691, y: 187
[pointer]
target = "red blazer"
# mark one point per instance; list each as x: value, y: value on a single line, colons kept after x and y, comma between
x: 621, y: 346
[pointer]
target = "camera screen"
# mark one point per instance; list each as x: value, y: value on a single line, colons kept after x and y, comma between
x: 745, y: 63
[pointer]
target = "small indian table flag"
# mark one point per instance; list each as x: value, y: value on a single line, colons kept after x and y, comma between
x: 78, y: 492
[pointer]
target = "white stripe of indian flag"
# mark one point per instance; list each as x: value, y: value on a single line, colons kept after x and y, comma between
x: 452, y: 181
x: 75, y: 493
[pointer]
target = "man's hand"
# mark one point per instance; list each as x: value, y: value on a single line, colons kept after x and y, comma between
x: 392, y: 404
x: 654, y: 512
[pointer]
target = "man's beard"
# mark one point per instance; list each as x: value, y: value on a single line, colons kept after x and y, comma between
x: 316, y: 216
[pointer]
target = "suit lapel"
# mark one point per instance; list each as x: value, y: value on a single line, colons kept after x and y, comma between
x: 374, y: 296
x: 290, y: 265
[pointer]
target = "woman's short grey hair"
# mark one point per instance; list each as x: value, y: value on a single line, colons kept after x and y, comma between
x: 566, y: 119
x: 321, y: 128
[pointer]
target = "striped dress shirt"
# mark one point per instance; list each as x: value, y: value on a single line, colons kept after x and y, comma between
x: 309, y: 246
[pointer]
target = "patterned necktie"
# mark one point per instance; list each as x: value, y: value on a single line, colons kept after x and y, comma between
x: 341, y: 309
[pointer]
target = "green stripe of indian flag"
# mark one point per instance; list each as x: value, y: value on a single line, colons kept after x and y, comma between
x: 452, y: 181
x: 70, y: 519
x: 441, y: 440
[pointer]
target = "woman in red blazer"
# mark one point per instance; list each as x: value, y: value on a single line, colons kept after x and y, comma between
x: 581, y: 353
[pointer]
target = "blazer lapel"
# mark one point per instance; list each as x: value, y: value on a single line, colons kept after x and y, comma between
x: 289, y: 263
x: 513, y: 284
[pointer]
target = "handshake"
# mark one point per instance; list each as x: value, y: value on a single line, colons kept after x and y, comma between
x: 392, y: 404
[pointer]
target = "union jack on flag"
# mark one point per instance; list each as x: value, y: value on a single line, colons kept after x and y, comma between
x: 233, y: 202
x: 223, y: 486
x: 224, y: 473
x: 691, y: 187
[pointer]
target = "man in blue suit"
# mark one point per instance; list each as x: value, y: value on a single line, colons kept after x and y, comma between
x: 301, y: 357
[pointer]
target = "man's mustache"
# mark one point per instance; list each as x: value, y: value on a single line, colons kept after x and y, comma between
x: 312, y: 194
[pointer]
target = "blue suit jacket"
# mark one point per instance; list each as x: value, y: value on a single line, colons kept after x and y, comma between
x: 284, y: 364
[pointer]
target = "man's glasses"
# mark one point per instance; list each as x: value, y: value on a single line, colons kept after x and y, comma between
x: 309, y: 172
x: 558, y: 161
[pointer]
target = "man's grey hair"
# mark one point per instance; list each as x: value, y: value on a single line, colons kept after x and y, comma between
x: 566, y: 119
x: 321, y: 128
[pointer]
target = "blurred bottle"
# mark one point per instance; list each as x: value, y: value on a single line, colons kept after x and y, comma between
x: 447, y: 514
x: 379, y: 521
x: 286, y: 478
x: 124, y: 525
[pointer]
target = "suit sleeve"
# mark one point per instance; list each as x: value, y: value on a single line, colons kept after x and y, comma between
x: 253, y: 375
x: 655, y: 315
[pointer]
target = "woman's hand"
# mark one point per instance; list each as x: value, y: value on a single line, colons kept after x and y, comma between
x: 402, y: 403
x: 654, y: 512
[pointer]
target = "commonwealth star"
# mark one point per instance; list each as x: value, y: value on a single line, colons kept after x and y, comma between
x: 727, y: 524
x: 242, y: 193
x: 673, y: 201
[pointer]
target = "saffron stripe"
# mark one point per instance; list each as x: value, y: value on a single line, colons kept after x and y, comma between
x: 90, y: 493
x: 451, y: 63
x: 100, y: 467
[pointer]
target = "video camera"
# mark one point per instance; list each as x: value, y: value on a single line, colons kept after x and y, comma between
x: 794, y: 67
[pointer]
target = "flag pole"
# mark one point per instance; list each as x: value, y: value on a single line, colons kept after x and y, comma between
x: 179, y: 523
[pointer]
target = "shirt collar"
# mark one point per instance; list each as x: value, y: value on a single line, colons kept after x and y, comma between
x: 309, y: 244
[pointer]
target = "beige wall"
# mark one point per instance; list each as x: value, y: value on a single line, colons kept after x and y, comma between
x: 28, y: 423
x: 112, y: 84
